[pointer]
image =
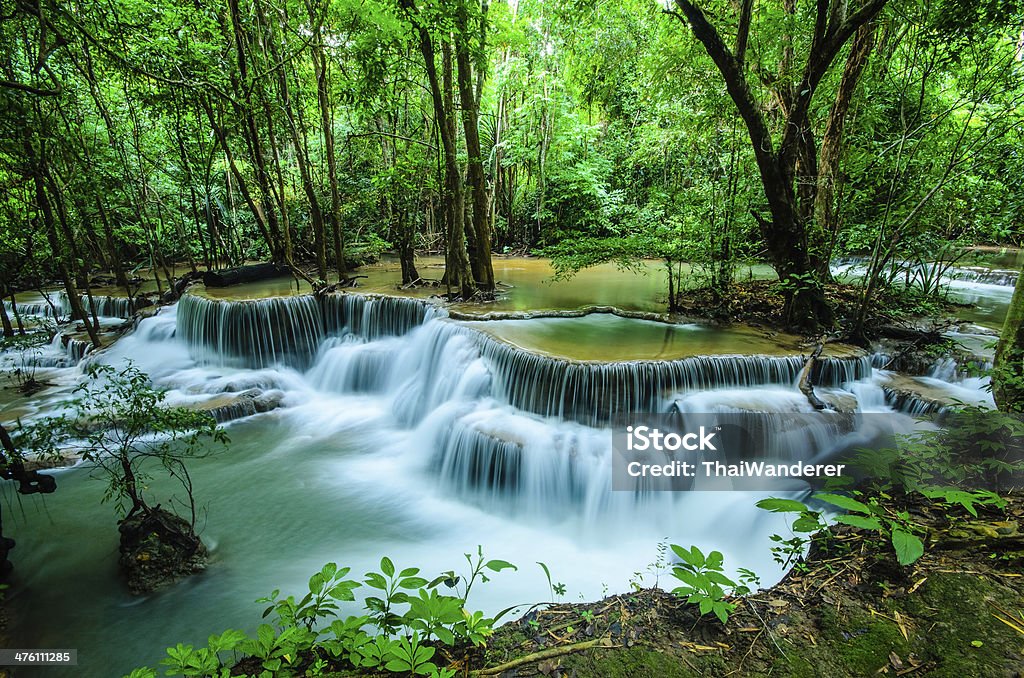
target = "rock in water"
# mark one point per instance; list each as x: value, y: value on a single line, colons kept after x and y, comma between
x: 243, y: 274
x: 157, y: 549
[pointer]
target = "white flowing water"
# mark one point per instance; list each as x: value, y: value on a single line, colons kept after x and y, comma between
x: 402, y: 433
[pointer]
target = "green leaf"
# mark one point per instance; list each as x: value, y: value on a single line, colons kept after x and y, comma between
x: 685, y: 576
x: 266, y: 635
x: 412, y: 583
x: 720, y: 579
x: 908, y: 546
x: 227, y: 641
x: 781, y: 505
x: 691, y: 556
x: 844, y: 502
x: 387, y: 567
x: 499, y: 565
x: 807, y: 523
x: 863, y: 522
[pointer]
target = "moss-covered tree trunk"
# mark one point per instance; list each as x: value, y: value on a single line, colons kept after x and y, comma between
x: 1008, y: 371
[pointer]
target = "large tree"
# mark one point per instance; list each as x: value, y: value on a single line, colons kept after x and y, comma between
x: 787, y: 159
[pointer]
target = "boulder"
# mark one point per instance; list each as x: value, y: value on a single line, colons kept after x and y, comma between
x: 231, y: 406
x: 157, y: 549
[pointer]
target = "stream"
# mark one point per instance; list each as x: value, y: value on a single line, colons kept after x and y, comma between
x: 405, y: 433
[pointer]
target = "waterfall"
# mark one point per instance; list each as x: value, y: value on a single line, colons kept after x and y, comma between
x: 914, y: 405
x: 495, y: 423
x: 62, y: 351
x: 985, y: 276
x: 343, y: 340
x: 290, y: 330
x: 375, y: 316
x: 106, y: 306
x: 950, y: 369
x: 594, y: 393
x: 253, y: 333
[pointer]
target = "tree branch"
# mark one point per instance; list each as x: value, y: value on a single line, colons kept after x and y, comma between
x: 29, y: 88
x: 735, y: 81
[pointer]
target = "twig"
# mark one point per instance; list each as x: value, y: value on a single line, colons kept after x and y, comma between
x: 770, y: 634
x: 540, y: 656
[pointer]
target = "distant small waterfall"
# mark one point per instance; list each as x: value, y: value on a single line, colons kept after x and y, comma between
x: 106, y: 306
x: 985, y: 276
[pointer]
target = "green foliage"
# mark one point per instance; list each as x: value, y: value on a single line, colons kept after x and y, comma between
x: 400, y: 633
x: 557, y: 590
x: 122, y: 428
x: 391, y: 583
x: 870, y: 515
x: 325, y: 587
x: 975, y: 448
x: 705, y: 584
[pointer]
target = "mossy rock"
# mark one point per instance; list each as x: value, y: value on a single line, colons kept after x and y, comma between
x: 964, y: 637
x: 849, y: 643
x: 634, y: 662
x: 157, y: 549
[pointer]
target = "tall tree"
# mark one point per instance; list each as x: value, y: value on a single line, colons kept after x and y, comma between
x: 787, y: 165
x: 469, y: 97
x: 458, y: 275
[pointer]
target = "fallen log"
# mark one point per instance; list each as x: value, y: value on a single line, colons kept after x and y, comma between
x: 244, y: 274
x: 806, y: 387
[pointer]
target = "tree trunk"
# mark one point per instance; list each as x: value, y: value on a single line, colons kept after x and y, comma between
x: 483, y: 271
x: 17, y: 315
x: 457, y: 273
x: 319, y: 58
x: 243, y: 187
x: 250, y: 130
x: 1008, y: 369
x: 316, y: 216
x: 406, y: 248
x: 5, y: 319
x: 108, y: 237
x: 37, y: 165
x: 826, y: 224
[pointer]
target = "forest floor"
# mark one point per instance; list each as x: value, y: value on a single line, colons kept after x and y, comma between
x: 760, y: 302
x: 848, y: 610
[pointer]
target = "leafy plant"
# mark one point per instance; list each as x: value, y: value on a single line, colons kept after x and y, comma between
x: 704, y: 583
x: 393, y: 585
x: 791, y: 551
x: 556, y: 590
x: 896, y: 527
x: 325, y: 587
x: 401, y: 632
x: 122, y: 428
